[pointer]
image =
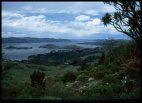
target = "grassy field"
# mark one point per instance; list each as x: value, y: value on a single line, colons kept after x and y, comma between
x: 21, y: 72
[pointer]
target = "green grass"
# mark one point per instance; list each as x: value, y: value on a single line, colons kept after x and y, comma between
x: 21, y: 72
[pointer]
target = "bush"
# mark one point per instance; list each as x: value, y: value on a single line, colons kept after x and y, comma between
x: 102, y: 59
x: 74, y: 89
x: 121, y: 53
x: 94, y: 90
x: 108, y: 91
x: 37, y: 78
x: 109, y: 78
x: 82, y: 77
x: 117, y: 88
x: 55, y: 89
x: 113, y: 67
x: 25, y: 92
x: 9, y: 64
x: 69, y: 76
x: 36, y: 92
x: 135, y: 93
x: 99, y: 72
x: 11, y: 91
x: 84, y: 66
x: 100, y: 90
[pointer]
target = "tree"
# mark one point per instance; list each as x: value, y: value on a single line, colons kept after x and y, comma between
x: 126, y: 19
x: 102, y: 59
x: 37, y: 78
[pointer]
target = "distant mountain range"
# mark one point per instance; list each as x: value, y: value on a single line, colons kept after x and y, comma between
x: 30, y: 40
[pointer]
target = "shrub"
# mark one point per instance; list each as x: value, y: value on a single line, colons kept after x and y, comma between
x: 14, y: 90
x: 135, y: 93
x: 69, y: 76
x: 84, y: 66
x: 37, y: 78
x: 82, y: 77
x: 109, y: 78
x: 117, y: 88
x: 69, y: 92
x: 108, y: 91
x: 8, y: 65
x: 11, y: 91
x: 113, y: 67
x: 86, y: 72
x: 99, y: 72
x: 99, y: 90
x: 25, y: 92
x: 55, y: 89
x: 102, y: 59
x: 73, y: 89
x: 94, y: 90
x: 36, y: 92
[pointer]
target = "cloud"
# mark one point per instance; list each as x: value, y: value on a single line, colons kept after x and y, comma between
x: 89, y: 8
x: 26, y: 22
x: 11, y: 14
x: 41, y: 26
x: 34, y: 10
x: 96, y: 21
x: 82, y: 18
x: 92, y: 12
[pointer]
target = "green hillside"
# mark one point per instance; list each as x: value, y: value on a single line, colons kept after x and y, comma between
x: 112, y: 74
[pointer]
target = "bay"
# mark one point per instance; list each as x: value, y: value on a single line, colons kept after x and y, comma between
x: 22, y: 54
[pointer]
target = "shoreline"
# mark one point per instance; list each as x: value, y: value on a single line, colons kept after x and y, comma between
x: 96, y: 49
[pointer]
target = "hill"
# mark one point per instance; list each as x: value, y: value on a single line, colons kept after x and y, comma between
x: 30, y: 40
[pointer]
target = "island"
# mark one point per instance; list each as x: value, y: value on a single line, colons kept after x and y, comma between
x: 103, y: 42
x: 72, y: 47
x: 13, y: 47
x: 52, y: 46
x: 49, y: 46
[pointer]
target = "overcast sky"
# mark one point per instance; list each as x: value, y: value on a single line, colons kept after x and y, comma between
x: 70, y: 20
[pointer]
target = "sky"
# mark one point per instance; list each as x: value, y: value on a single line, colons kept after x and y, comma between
x: 67, y: 20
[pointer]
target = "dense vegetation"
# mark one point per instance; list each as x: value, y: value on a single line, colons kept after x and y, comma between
x: 112, y: 74
x: 73, y: 57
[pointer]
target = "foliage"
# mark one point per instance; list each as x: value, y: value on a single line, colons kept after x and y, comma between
x: 82, y: 77
x: 8, y: 65
x: 113, y: 67
x: 100, y: 90
x: 109, y: 78
x: 106, y: 19
x: 112, y: 79
x: 36, y: 92
x: 69, y: 76
x: 37, y: 78
x: 11, y: 91
x: 126, y: 19
x: 121, y: 53
x: 128, y: 50
x: 53, y: 86
x: 99, y: 72
x: 102, y: 59
x: 55, y: 89
x: 84, y: 66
